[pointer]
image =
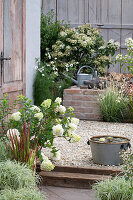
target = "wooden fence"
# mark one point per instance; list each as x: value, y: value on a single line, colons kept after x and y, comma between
x: 113, y: 17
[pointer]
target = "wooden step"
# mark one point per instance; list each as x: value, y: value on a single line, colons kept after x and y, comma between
x: 89, y: 170
x: 73, y: 180
x: 84, y: 170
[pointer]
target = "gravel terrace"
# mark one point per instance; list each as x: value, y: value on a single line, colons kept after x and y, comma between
x: 79, y: 154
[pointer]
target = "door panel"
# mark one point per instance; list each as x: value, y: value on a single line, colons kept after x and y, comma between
x: 1, y: 36
x: 12, y: 44
x: 13, y: 34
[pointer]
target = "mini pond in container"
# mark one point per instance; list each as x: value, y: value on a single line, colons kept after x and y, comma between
x: 106, y: 149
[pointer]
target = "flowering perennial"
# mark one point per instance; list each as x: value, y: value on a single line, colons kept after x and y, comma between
x: 16, y: 116
x: 38, y: 127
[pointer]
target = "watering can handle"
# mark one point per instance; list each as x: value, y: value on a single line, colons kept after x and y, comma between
x: 85, y: 67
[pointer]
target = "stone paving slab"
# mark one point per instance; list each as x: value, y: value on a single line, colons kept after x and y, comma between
x: 60, y: 193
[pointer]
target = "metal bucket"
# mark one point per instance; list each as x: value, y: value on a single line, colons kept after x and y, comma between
x: 108, y: 153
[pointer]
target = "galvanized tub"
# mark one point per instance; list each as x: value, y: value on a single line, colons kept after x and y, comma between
x: 108, y: 153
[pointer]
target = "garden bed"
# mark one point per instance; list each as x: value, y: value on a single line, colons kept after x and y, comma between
x: 79, y: 154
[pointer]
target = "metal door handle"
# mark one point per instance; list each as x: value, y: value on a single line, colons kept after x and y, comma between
x: 2, y: 57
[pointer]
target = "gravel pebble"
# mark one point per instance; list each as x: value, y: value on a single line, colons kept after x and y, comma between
x: 79, y: 154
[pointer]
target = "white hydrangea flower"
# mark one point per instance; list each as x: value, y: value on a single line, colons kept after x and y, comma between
x: 102, y: 47
x: 39, y: 116
x: 58, y: 100
x: 71, y: 109
x: 111, y: 41
x: 35, y: 108
x: 117, y: 44
x: 55, y: 156
x: 45, y: 158
x: 47, y: 166
x: 46, y: 103
x: 16, y: 116
x: 13, y: 132
x: 75, y: 120
x: 72, y: 127
x: 119, y: 57
x: 58, y: 130
x: 63, y: 34
x: 129, y: 43
x: 75, y: 138
x: 61, y: 109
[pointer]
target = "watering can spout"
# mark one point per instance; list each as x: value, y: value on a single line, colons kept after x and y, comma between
x: 76, y: 82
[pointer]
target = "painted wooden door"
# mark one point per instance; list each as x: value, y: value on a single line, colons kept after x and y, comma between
x: 12, y: 44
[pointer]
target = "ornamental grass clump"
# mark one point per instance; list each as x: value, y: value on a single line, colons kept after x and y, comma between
x: 20, y: 148
x: 14, y: 176
x: 116, y: 189
x: 113, y: 105
x: 21, y: 194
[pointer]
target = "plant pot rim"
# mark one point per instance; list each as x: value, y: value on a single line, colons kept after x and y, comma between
x: 114, y: 136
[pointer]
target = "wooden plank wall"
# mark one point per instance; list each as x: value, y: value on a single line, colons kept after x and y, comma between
x: 116, y: 17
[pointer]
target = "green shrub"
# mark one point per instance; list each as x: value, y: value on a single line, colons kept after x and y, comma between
x: 113, y: 105
x: 82, y: 46
x: 50, y: 28
x: 116, y: 189
x: 15, y: 175
x: 48, y: 85
x: 20, y: 194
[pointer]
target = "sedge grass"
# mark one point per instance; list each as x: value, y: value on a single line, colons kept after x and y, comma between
x: 15, y: 175
x: 21, y: 194
x: 116, y: 189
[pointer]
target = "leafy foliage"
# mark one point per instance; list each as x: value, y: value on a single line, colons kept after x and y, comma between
x: 126, y: 61
x: 5, y: 110
x: 4, y: 155
x: 50, y: 28
x: 47, y: 84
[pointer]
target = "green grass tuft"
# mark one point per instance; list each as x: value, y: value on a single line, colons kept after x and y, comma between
x: 116, y: 189
x: 15, y: 175
x: 113, y: 105
x: 21, y: 194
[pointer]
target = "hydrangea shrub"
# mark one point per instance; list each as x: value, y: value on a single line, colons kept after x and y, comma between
x: 34, y: 128
x: 78, y: 47
x: 126, y: 61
